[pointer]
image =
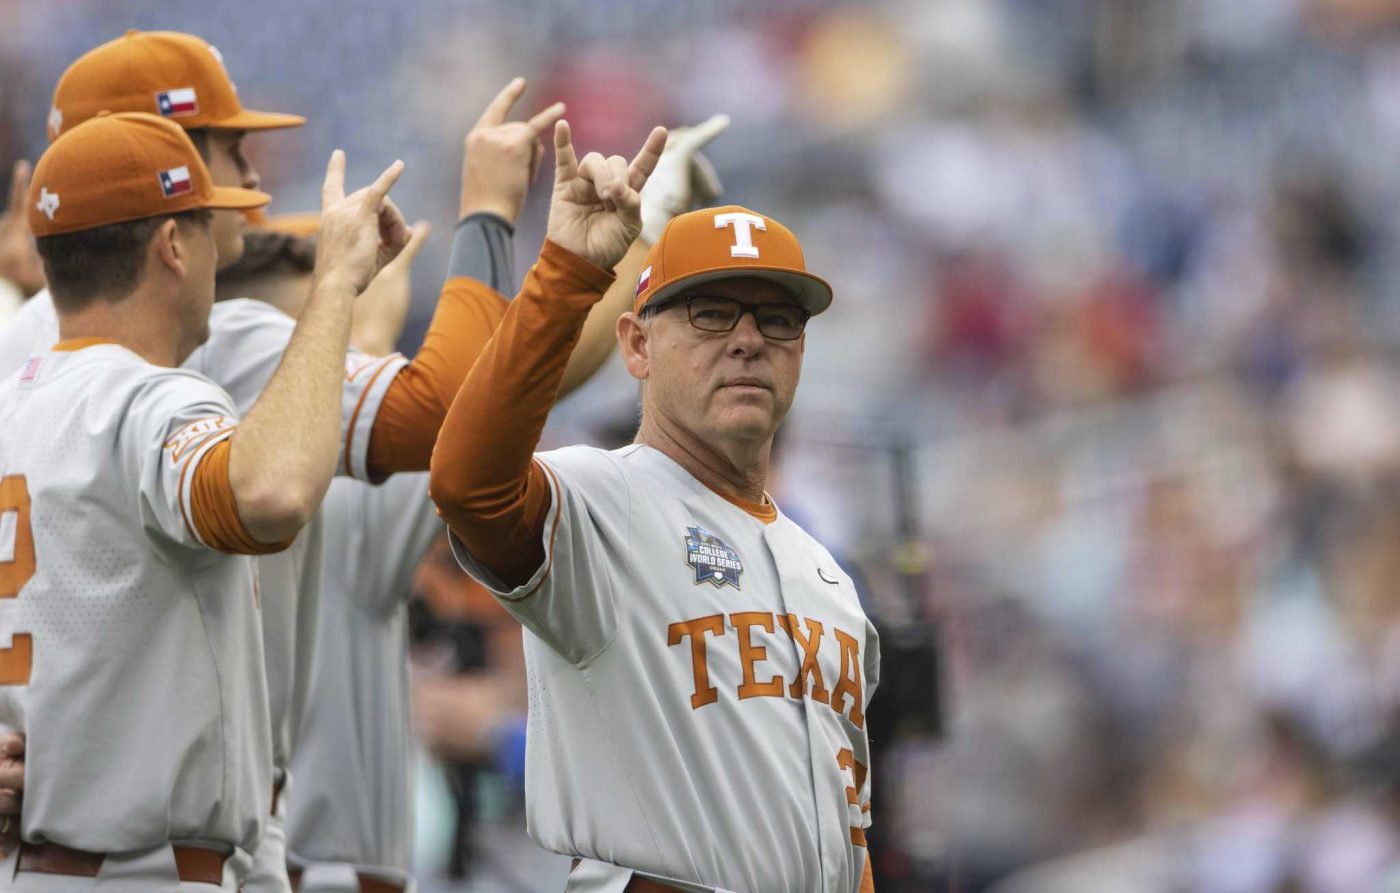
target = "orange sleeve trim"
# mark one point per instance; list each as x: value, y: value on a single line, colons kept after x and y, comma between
x: 359, y: 405
x: 406, y: 425
x: 554, y: 528
x: 68, y: 344
x: 214, y: 510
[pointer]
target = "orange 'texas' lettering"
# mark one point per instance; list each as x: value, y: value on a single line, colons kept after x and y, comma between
x: 850, y: 683
x: 696, y: 629
x: 193, y: 435
x: 811, y: 644
x: 846, y: 759
x: 750, y: 654
x: 17, y: 661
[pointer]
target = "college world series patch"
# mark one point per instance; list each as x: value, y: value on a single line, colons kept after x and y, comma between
x: 712, y: 558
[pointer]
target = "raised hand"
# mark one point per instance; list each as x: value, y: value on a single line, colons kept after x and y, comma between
x: 378, y: 317
x: 596, y: 208
x: 503, y: 156
x: 683, y: 177
x: 362, y: 232
x: 19, y: 259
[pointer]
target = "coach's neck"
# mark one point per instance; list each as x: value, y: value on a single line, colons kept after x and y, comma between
x: 733, y: 467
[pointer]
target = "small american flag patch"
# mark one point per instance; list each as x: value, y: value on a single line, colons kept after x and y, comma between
x: 30, y: 370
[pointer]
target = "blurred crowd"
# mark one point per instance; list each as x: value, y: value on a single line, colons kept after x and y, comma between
x: 1119, y: 275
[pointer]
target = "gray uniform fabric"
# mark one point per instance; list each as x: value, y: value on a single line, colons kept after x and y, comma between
x: 697, y: 683
x: 146, y: 711
x: 353, y: 763
x: 245, y: 345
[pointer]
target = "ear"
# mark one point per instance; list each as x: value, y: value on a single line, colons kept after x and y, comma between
x: 633, y: 341
x: 168, y: 248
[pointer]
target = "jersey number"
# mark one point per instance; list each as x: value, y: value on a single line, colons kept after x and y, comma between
x: 846, y: 759
x: 16, y: 567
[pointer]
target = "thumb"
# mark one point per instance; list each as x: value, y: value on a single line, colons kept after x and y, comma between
x: 416, y: 239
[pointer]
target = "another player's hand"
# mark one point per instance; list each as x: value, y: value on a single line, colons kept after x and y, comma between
x: 19, y: 259
x: 683, y: 178
x: 11, y: 788
x: 361, y: 232
x: 503, y: 156
x: 378, y: 316
x: 596, y: 209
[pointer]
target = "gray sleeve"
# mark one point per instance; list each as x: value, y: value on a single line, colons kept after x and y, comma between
x: 483, y: 249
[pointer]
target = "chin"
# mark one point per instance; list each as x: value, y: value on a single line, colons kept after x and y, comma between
x: 748, y: 423
x: 231, y: 253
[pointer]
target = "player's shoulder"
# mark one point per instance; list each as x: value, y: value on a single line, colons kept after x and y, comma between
x: 32, y: 328
x: 247, y: 313
x: 138, y: 386
x: 236, y: 323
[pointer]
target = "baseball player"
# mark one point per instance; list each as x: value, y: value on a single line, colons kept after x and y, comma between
x: 699, y: 667
x: 351, y: 818
x: 391, y: 408
x: 132, y: 496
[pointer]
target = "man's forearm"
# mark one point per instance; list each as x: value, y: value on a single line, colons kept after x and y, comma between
x: 284, y: 452
x: 599, y: 337
x: 482, y: 478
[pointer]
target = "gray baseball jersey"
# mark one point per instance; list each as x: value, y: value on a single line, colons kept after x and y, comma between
x: 245, y: 345
x: 246, y: 341
x: 353, y: 763
x: 698, y: 682
x: 134, y: 657
x: 354, y: 756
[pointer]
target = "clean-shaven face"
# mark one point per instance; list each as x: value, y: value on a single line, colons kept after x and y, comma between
x: 723, y: 385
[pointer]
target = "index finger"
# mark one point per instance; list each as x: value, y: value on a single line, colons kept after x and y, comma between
x: 565, y: 161
x: 19, y: 185
x: 498, y: 108
x: 645, y: 162
x: 333, y: 190
x: 376, y: 191
x: 544, y: 120
x: 701, y: 134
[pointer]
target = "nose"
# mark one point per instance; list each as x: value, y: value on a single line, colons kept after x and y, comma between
x: 746, y: 339
x: 251, y: 178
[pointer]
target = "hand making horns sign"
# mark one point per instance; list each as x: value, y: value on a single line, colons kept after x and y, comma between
x: 596, y: 210
x: 361, y: 232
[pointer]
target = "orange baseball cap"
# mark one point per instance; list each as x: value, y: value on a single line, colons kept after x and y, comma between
x: 166, y: 73
x: 721, y: 243
x: 121, y: 167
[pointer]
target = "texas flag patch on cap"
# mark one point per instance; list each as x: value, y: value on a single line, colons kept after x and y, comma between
x: 176, y: 103
x: 175, y: 181
x: 643, y: 281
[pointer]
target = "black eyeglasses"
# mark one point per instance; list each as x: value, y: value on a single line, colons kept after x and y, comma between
x: 712, y: 313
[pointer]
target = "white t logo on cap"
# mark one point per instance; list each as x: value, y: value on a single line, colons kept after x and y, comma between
x: 55, y: 121
x: 48, y: 202
x: 743, y: 224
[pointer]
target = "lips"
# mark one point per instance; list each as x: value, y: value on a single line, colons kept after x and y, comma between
x: 747, y: 383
